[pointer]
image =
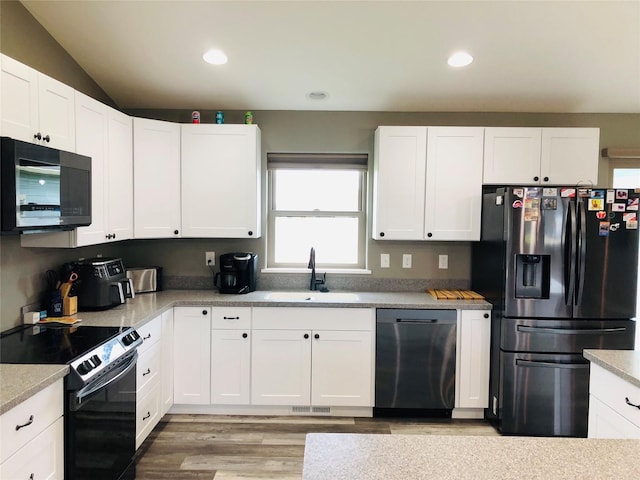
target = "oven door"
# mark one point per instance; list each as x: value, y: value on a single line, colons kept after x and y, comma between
x: 100, y: 427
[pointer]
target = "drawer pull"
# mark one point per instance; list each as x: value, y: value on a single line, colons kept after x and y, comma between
x: 147, y: 372
x: 231, y: 318
x: 146, y: 416
x: 626, y: 399
x: 18, y: 427
x: 32, y: 476
x: 147, y: 337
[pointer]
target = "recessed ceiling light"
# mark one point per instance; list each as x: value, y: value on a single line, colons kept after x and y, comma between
x: 215, y: 57
x: 317, y: 95
x: 460, y: 59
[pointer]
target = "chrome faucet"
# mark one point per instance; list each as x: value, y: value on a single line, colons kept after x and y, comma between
x: 313, y: 284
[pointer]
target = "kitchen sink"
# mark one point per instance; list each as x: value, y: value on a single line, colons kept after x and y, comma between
x: 313, y: 296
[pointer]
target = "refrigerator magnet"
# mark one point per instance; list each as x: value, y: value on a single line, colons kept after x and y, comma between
x: 632, y: 225
x: 622, y: 194
x: 614, y: 227
x: 584, y: 192
x: 567, y: 192
x: 611, y: 195
x: 632, y: 204
x: 533, y: 192
x: 517, y: 204
x: 549, y: 192
x: 596, y: 204
x: 549, y: 203
x: 603, y: 229
x: 629, y: 217
x: 597, y: 193
x: 518, y: 192
x: 618, y: 207
x: 601, y: 215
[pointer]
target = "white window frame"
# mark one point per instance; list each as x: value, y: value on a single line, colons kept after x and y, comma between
x: 317, y: 161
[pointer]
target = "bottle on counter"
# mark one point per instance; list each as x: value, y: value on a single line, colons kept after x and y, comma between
x: 248, y: 118
x: 220, y: 117
x: 195, y: 117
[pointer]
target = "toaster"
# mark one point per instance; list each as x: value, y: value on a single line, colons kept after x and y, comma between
x: 145, y: 279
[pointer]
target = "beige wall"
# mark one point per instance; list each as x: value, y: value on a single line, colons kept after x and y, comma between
x: 22, y: 269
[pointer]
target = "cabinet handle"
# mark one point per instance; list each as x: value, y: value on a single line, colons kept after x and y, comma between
x: 486, y: 315
x: 626, y: 399
x: 31, y: 477
x: 175, y: 232
x: 204, y: 312
x: 546, y: 179
x: 147, y: 337
x: 38, y: 136
x: 250, y: 232
x: 244, y: 335
x: 316, y: 336
x: 146, y: 416
x: 231, y: 318
x: 382, y: 234
x: 18, y: 427
x: 535, y: 179
x: 147, y: 372
x: 306, y: 335
x: 46, y: 138
x: 429, y: 234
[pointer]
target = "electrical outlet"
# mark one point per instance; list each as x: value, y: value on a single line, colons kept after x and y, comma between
x: 406, y: 260
x: 443, y: 261
x: 384, y: 260
x: 210, y: 259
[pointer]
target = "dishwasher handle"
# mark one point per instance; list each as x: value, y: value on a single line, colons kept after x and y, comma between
x: 424, y: 321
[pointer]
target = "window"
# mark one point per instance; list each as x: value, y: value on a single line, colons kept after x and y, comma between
x: 317, y: 200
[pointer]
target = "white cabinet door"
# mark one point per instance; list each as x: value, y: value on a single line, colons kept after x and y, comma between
x: 36, y: 108
x: 342, y: 368
x: 92, y: 138
x: 399, y: 183
x: 192, y: 355
x: 280, y: 367
x: 166, y: 362
x: 230, y: 367
x: 57, y: 114
x: 570, y: 156
x: 605, y: 422
x: 472, y: 372
x: 512, y: 155
x: 156, y: 172
x: 221, y: 181
x: 119, y: 185
x: 453, y: 196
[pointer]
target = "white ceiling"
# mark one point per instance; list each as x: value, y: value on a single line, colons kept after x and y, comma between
x: 530, y: 56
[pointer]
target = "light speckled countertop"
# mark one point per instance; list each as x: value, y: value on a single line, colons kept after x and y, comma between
x: 19, y: 382
x: 623, y: 363
x: 335, y: 456
x: 146, y: 306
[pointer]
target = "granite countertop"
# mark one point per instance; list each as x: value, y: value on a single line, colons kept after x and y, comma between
x: 146, y: 306
x: 623, y: 363
x: 335, y: 456
x: 19, y: 382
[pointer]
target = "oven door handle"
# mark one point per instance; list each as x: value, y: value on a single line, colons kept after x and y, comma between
x: 121, y: 371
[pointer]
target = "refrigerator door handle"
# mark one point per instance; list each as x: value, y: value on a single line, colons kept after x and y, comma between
x: 570, y: 331
x: 569, y: 240
x: 532, y: 363
x: 581, y: 251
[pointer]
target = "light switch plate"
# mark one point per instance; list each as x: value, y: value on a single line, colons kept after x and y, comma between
x: 443, y: 261
x: 406, y: 260
x: 384, y: 260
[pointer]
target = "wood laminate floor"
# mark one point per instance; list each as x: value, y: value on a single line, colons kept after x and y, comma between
x: 207, y: 447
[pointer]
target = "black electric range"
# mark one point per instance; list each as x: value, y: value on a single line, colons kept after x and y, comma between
x: 100, y: 401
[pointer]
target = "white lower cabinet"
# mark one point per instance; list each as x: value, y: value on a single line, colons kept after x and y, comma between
x: 192, y: 355
x: 148, y: 379
x: 613, y: 406
x: 312, y: 356
x: 32, y: 437
x: 472, y: 366
x: 166, y: 359
x: 231, y: 356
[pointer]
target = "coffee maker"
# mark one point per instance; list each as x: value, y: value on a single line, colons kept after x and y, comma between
x: 237, y: 273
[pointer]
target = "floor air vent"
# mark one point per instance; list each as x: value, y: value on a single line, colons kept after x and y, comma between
x: 311, y: 410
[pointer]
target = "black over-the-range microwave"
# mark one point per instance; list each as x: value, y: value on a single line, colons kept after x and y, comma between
x: 43, y: 188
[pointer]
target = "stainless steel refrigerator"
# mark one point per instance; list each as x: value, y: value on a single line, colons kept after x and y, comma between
x: 559, y: 264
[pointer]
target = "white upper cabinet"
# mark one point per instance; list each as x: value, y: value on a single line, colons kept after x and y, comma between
x: 36, y: 108
x: 220, y: 181
x: 427, y: 183
x: 105, y: 135
x: 453, y: 196
x: 156, y: 172
x: 541, y: 156
x: 399, y: 183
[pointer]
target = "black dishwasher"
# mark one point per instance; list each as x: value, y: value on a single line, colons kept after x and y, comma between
x: 415, y: 362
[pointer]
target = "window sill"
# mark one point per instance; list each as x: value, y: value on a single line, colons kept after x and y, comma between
x: 344, y: 271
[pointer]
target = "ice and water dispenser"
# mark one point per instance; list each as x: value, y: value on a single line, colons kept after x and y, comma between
x: 532, y: 276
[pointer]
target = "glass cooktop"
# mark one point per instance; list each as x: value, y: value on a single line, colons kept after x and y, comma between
x: 51, y: 345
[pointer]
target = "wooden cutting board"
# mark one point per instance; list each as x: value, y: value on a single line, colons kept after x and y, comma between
x: 444, y: 294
